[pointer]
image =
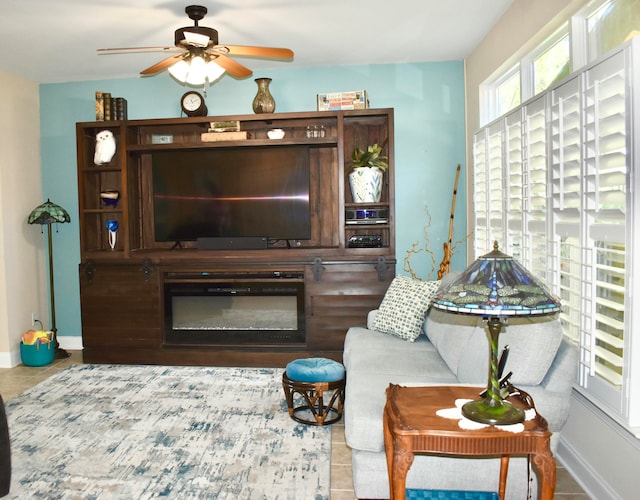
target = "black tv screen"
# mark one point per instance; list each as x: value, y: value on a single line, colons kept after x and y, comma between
x: 231, y: 192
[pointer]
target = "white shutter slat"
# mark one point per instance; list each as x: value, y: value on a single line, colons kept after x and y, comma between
x: 613, y: 323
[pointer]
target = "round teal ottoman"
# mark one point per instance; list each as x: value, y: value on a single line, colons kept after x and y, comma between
x: 308, y: 383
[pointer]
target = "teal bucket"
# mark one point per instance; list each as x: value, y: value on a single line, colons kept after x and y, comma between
x: 37, y: 354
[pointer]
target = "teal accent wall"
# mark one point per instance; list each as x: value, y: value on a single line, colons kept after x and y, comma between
x: 429, y: 104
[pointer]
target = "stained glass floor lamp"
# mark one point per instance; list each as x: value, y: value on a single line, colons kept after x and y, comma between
x: 47, y: 214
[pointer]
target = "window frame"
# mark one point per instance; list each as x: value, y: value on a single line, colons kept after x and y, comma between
x: 579, y: 56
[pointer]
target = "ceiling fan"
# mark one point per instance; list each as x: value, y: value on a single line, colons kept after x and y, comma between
x: 197, y: 48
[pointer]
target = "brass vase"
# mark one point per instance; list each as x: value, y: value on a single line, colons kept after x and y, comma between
x: 263, y: 102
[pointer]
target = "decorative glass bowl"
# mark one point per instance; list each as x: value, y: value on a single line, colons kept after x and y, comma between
x: 110, y: 198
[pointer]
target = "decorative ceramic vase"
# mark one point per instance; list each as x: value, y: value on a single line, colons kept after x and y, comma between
x: 263, y: 102
x: 366, y: 184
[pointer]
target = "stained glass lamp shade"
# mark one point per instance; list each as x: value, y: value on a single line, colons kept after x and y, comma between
x: 46, y: 214
x: 495, y: 287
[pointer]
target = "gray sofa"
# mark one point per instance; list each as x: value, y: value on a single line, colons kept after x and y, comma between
x: 451, y: 349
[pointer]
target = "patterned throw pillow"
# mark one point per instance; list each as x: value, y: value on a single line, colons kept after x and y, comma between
x: 404, y: 306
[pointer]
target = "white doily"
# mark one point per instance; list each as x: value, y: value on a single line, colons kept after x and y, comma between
x: 470, y: 425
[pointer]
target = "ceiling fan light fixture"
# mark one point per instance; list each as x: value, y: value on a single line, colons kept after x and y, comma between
x: 180, y: 70
x: 214, y: 71
x: 196, y: 71
x: 197, y: 74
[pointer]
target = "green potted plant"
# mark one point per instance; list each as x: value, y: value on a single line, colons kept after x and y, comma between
x: 365, y: 179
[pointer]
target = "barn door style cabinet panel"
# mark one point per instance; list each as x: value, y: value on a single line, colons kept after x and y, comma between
x: 204, y: 241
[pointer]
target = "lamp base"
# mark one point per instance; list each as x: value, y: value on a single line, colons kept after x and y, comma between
x: 61, y: 353
x: 485, y: 412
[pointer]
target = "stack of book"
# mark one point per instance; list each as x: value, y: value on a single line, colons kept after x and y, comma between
x: 110, y: 108
x: 224, y: 131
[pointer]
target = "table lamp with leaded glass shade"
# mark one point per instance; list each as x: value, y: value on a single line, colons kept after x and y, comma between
x: 495, y: 287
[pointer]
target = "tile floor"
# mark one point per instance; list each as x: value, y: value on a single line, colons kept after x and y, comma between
x: 13, y: 381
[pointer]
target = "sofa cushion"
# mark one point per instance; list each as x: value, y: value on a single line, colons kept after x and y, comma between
x: 369, y: 351
x: 450, y: 334
x: 462, y: 342
x: 404, y: 306
x: 533, y: 344
x: 373, y: 360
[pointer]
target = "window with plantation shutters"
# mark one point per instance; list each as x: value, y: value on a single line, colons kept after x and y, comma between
x: 480, y: 227
x: 514, y: 182
x: 565, y: 123
x: 605, y: 220
x: 534, y: 255
x: 568, y: 211
x: 495, y: 198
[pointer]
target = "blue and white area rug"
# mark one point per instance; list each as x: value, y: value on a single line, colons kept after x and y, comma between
x: 137, y: 432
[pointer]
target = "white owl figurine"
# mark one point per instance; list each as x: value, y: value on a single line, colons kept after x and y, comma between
x: 105, y: 147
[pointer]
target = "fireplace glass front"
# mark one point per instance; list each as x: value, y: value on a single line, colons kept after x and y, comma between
x: 207, y: 311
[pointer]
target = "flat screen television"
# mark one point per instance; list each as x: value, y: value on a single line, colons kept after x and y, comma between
x: 231, y: 192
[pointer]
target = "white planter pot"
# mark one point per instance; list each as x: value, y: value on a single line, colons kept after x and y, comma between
x: 366, y: 184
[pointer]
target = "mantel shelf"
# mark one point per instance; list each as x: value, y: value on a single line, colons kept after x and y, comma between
x: 143, y: 148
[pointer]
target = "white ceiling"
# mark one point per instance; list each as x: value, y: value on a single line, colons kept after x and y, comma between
x: 56, y: 40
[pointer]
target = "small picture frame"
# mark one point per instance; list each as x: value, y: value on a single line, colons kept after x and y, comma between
x: 161, y: 139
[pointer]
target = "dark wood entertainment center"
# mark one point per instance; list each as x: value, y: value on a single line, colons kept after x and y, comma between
x: 130, y: 294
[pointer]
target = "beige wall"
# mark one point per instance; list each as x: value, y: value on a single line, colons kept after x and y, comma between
x: 23, y: 282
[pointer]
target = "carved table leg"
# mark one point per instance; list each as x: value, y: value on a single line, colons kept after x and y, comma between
x: 388, y: 447
x: 546, y: 465
x: 399, y: 460
x: 504, y: 469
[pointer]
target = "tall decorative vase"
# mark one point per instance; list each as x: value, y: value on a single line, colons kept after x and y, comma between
x: 263, y: 102
x: 366, y: 184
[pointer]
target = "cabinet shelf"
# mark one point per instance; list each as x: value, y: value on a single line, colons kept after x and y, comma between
x: 365, y: 206
x: 99, y: 169
x: 102, y: 210
x: 320, y: 141
x: 368, y: 226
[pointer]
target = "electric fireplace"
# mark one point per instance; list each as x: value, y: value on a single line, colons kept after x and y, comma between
x: 249, y: 309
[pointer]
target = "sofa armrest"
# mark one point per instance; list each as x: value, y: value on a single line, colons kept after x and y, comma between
x: 371, y: 316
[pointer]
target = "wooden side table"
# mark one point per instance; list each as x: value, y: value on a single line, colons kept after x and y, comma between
x: 412, y: 426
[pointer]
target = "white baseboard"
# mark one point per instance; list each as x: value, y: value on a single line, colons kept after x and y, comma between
x: 588, y: 478
x: 71, y: 343
x: 598, y: 452
x: 10, y: 359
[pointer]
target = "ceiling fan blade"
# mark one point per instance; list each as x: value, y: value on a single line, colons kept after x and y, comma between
x: 232, y: 67
x: 128, y: 50
x: 251, y: 51
x: 164, y: 64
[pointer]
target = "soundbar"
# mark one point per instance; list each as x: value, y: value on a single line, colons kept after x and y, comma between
x: 239, y: 243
